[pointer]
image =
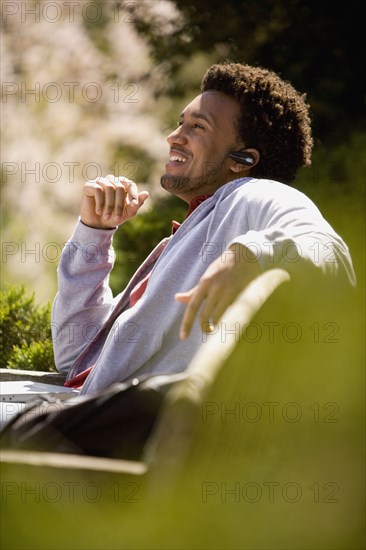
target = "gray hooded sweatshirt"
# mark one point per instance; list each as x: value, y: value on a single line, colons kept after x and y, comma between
x: 280, y: 225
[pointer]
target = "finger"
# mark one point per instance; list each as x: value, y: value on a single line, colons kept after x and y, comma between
x: 135, y: 206
x: 207, y: 319
x: 95, y: 191
x: 131, y: 190
x: 184, y: 297
x: 133, y: 193
x: 218, y: 299
x: 142, y: 196
x: 191, y: 312
x: 109, y: 197
x: 115, y: 197
x: 119, y: 201
x: 124, y: 192
x: 220, y: 308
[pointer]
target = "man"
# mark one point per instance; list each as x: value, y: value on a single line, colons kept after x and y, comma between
x: 238, y: 146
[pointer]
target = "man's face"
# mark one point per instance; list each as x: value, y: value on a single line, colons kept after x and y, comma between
x: 198, y: 158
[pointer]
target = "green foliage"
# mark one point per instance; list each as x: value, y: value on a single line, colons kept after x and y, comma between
x: 316, y: 45
x: 25, y: 331
x: 33, y: 356
x: 132, y: 162
x: 336, y: 183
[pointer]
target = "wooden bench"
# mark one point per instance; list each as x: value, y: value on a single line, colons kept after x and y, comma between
x: 169, y: 442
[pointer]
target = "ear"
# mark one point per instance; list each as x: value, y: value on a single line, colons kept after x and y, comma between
x: 239, y: 167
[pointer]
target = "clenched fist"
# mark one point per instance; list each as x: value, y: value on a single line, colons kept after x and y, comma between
x: 110, y: 201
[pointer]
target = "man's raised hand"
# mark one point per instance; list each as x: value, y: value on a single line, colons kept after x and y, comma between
x: 110, y: 201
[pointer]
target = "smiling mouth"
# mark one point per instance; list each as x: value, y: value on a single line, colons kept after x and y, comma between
x: 177, y: 158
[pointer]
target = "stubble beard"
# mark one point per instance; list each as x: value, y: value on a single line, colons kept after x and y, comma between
x: 208, y: 182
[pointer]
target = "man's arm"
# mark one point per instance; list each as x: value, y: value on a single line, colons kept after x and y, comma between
x: 84, y: 299
x: 286, y: 230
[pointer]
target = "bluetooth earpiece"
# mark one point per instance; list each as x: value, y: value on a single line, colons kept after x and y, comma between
x: 242, y: 157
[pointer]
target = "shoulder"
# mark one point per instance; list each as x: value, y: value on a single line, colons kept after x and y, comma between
x: 266, y: 189
x: 265, y: 193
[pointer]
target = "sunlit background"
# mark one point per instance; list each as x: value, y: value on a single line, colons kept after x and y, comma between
x: 92, y: 88
x: 78, y: 102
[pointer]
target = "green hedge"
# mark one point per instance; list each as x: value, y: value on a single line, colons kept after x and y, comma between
x: 25, y: 331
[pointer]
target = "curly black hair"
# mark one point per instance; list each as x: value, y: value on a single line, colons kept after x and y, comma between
x: 274, y: 117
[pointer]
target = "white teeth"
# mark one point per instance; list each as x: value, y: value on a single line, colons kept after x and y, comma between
x: 175, y: 158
